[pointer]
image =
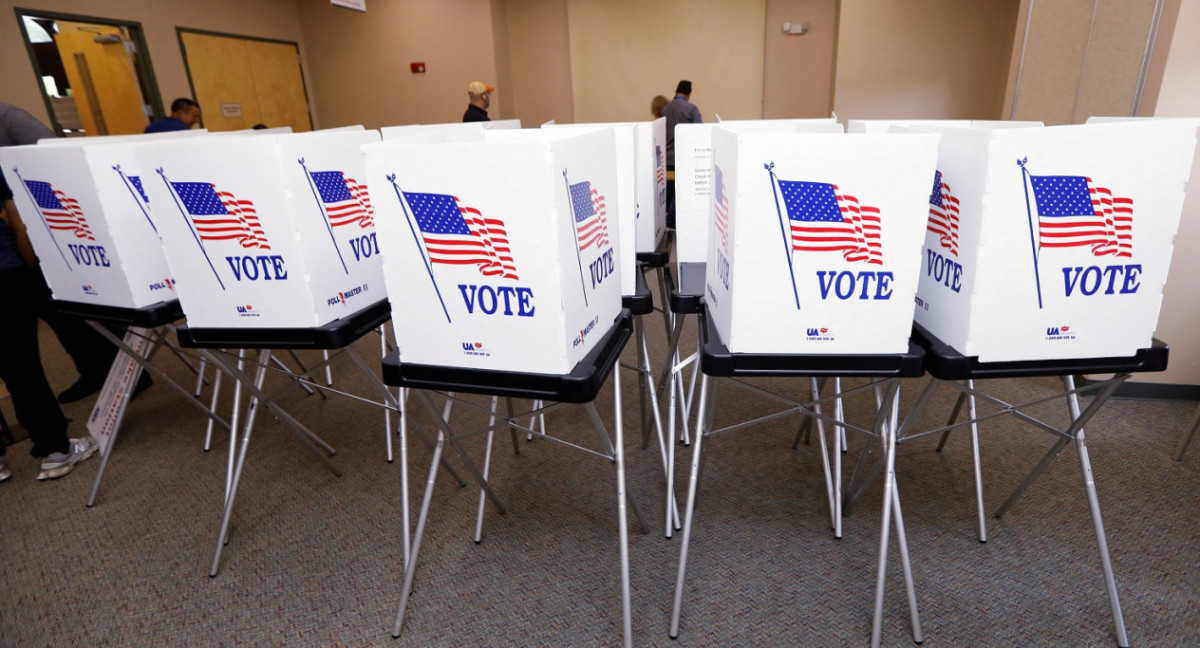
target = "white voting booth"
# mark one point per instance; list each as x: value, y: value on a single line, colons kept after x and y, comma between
x: 1052, y: 243
x: 269, y: 231
x: 646, y: 164
x: 815, y: 240
x: 85, y: 208
x: 496, y: 252
x: 694, y: 182
x: 452, y: 132
x: 885, y: 125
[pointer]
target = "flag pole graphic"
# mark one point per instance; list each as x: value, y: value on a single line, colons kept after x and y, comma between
x: 399, y: 196
x: 321, y: 206
x: 136, y: 198
x: 43, y: 218
x: 1032, y: 241
x: 183, y: 212
x: 575, y: 235
x: 787, y: 244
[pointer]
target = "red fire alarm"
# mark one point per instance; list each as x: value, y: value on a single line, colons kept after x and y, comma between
x: 417, y: 68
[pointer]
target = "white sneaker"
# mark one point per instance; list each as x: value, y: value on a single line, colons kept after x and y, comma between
x: 5, y: 473
x: 59, y: 464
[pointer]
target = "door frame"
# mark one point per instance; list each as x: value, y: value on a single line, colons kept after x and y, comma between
x: 180, y: 31
x: 147, y: 80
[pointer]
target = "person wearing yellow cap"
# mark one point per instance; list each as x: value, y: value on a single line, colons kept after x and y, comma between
x: 481, y: 97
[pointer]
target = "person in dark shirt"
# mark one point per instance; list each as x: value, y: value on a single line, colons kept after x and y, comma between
x: 185, y: 113
x: 677, y: 111
x: 20, y: 361
x: 91, y: 353
x: 480, y: 94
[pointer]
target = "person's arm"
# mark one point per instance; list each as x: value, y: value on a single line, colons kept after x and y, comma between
x: 21, y: 237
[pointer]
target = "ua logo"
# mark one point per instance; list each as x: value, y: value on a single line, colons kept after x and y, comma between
x: 1053, y: 330
x: 812, y: 332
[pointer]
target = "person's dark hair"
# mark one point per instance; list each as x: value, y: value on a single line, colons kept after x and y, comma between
x: 182, y: 103
x: 260, y: 127
x: 684, y: 87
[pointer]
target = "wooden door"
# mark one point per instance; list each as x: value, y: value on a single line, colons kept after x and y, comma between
x: 99, y: 66
x: 240, y: 82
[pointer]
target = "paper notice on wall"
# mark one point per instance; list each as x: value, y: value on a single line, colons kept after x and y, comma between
x: 110, y: 405
x: 357, y: 5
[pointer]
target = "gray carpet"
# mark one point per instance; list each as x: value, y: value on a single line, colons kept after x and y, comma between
x: 315, y: 560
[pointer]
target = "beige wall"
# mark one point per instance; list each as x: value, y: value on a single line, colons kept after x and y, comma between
x: 359, y: 62
x: 929, y: 59
x: 798, y: 69
x: 539, y: 61
x: 623, y: 52
x: 502, y: 102
x: 275, y: 19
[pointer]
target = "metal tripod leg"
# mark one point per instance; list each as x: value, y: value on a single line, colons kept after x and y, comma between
x: 158, y: 339
x: 967, y: 397
x: 231, y: 493
x: 689, y: 509
x: 410, y: 567
x: 862, y: 477
x: 441, y: 424
x: 622, y: 521
x: 886, y: 427
x: 487, y: 464
x: 1089, y: 485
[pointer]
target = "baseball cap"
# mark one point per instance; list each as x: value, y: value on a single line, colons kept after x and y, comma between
x: 479, y: 87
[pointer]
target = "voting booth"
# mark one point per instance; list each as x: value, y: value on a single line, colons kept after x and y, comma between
x: 1052, y: 243
x: 500, y: 255
x: 451, y: 132
x: 815, y: 240
x: 269, y: 231
x: 885, y: 125
x: 85, y: 209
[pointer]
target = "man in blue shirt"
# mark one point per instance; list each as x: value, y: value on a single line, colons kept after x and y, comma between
x: 185, y: 113
x: 20, y: 361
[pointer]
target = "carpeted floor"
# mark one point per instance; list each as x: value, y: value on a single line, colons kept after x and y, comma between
x: 316, y: 560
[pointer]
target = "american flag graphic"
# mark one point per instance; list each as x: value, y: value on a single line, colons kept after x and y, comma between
x: 823, y: 219
x: 221, y: 216
x: 136, y: 181
x: 61, y: 213
x: 591, y: 222
x: 943, y: 214
x: 458, y: 235
x: 346, y: 201
x: 1073, y: 212
x: 721, y: 208
x: 660, y: 169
